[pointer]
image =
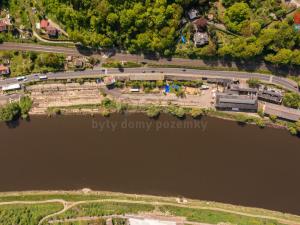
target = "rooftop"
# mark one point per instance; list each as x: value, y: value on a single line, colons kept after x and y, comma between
x: 236, y: 102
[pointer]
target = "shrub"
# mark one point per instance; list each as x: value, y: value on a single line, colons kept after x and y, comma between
x: 292, y: 129
x: 177, y: 111
x: 260, y: 112
x: 273, y: 118
x: 120, y: 107
x: 153, y: 111
x: 291, y: 100
x: 25, y: 105
x: 242, y: 118
x: 253, y: 82
x: 298, y: 126
x: 260, y: 123
x: 107, y: 103
x: 196, y: 113
x: 105, y: 112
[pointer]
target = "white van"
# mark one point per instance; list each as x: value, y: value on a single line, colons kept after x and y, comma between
x: 43, y: 77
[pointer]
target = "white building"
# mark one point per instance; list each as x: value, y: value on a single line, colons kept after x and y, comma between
x: 135, y: 221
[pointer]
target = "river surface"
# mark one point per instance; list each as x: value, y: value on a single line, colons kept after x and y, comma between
x: 208, y: 159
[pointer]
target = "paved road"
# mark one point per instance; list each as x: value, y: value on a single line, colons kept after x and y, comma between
x: 286, y: 83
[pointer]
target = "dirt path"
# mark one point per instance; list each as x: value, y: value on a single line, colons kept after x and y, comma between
x: 69, y: 205
x: 48, y: 41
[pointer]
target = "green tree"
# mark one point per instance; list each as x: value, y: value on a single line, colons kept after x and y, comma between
x: 283, y: 56
x: 291, y: 100
x: 153, y: 111
x: 9, y: 112
x: 196, y: 113
x: 25, y: 105
x: 237, y: 16
x: 253, y: 82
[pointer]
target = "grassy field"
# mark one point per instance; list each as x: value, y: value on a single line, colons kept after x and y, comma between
x: 105, y: 209
x: 23, y: 63
x: 213, y: 217
x: 26, y: 214
x: 117, y: 203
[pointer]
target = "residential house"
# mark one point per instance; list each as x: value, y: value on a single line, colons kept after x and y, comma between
x: 193, y: 14
x: 44, y: 24
x: 200, y: 24
x: 52, y: 31
x: 4, y: 70
x: 3, y: 26
x: 200, y: 39
x: 5, y: 23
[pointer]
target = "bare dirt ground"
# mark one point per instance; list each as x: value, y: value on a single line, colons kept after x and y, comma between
x: 201, y: 100
x: 58, y: 95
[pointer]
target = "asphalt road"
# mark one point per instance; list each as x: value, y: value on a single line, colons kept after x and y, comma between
x: 286, y: 83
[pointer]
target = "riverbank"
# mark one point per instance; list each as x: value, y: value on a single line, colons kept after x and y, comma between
x: 124, y: 153
x: 153, y: 111
x: 85, y: 96
x: 93, y: 205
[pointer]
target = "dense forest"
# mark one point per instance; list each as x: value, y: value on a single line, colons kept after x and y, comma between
x: 135, y: 25
x: 253, y: 29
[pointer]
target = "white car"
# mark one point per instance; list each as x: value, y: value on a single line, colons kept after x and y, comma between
x: 21, y: 78
x: 204, y: 87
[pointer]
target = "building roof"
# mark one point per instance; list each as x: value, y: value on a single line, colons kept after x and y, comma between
x: 52, y: 31
x: 201, y: 24
x: 282, y: 112
x: 236, y: 102
x: 3, y: 26
x: 238, y: 89
x: 193, y: 14
x: 223, y: 81
x: 138, y: 221
x: 4, y: 69
x: 44, y: 23
x: 109, y: 80
x: 270, y: 96
x: 200, y: 38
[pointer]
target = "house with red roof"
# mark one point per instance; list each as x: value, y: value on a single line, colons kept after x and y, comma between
x: 3, y: 26
x: 44, y: 24
x: 4, y: 70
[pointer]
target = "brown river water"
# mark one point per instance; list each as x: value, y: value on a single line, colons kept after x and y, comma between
x: 208, y: 159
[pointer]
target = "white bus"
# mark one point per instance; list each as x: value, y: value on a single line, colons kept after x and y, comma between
x: 11, y: 87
